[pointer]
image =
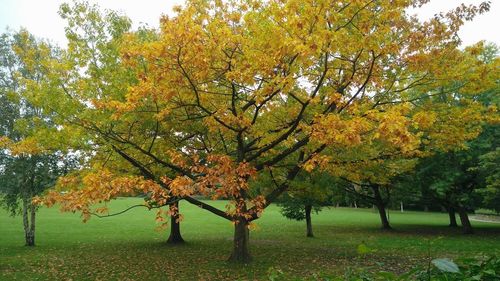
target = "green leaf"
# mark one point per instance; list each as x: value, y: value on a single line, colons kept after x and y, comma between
x: 490, y: 272
x: 363, y: 249
x: 446, y: 265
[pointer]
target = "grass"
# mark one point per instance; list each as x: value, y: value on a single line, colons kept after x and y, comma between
x: 127, y: 247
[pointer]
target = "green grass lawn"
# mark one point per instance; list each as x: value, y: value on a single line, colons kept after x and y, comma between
x: 127, y: 247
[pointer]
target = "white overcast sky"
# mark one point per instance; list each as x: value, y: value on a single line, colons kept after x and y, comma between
x: 40, y: 16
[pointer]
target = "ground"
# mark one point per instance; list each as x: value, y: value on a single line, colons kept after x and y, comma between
x: 127, y: 247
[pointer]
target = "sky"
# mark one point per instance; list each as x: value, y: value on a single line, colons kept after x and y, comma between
x: 40, y: 17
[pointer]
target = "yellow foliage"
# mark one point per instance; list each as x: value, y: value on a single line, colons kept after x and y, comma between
x: 225, y: 89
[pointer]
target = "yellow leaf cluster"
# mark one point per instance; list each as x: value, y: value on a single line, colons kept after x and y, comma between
x: 335, y: 130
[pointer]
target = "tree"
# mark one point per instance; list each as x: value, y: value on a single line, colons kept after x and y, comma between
x: 306, y: 193
x: 489, y: 164
x: 452, y: 164
x: 25, y: 172
x: 455, y: 178
x: 211, y: 103
x: 372, y: 181
x: 419, y: 196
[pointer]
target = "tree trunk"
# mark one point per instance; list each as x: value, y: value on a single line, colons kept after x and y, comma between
x: 175, y: 226
x: 383, y: 217
x: 240, y: 253
x: 464, y: 219
x: 379, y: 203
x: 29, y: 223
x: 453, y: 218
x: 308, y: 221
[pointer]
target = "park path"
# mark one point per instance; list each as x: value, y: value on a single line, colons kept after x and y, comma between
x: 484, y: 220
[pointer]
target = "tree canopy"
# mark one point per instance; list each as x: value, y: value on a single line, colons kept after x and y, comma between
x: 226, y: 92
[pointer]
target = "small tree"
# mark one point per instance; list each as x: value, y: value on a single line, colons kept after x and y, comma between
x: 24, y: 177
x: 25, y: 170
x: 307, y: 193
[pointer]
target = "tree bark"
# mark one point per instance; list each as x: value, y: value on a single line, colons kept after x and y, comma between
x: 175, y: 226
x: 464, y: 219
x: 379, y: 203
x: 308, y: 209
x: 241, y: 253
x: 29, y: 223
x: 383, y: 217
x: 453, y: 218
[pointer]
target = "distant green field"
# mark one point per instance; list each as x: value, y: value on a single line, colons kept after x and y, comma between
x: 127, y: 247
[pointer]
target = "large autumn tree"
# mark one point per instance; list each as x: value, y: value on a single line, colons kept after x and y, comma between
x: 226, y: 92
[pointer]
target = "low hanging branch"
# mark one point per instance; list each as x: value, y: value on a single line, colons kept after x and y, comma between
x: 136, y: 206
x: 124, y: 211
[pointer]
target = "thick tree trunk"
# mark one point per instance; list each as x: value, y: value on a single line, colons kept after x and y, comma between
x: 308, y: 209
x: 175, y: 226
x: 240, y: 254
x: 379, y: 203
x: 464, y: 219
x: 453, y: 218
x: 29, y: 214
